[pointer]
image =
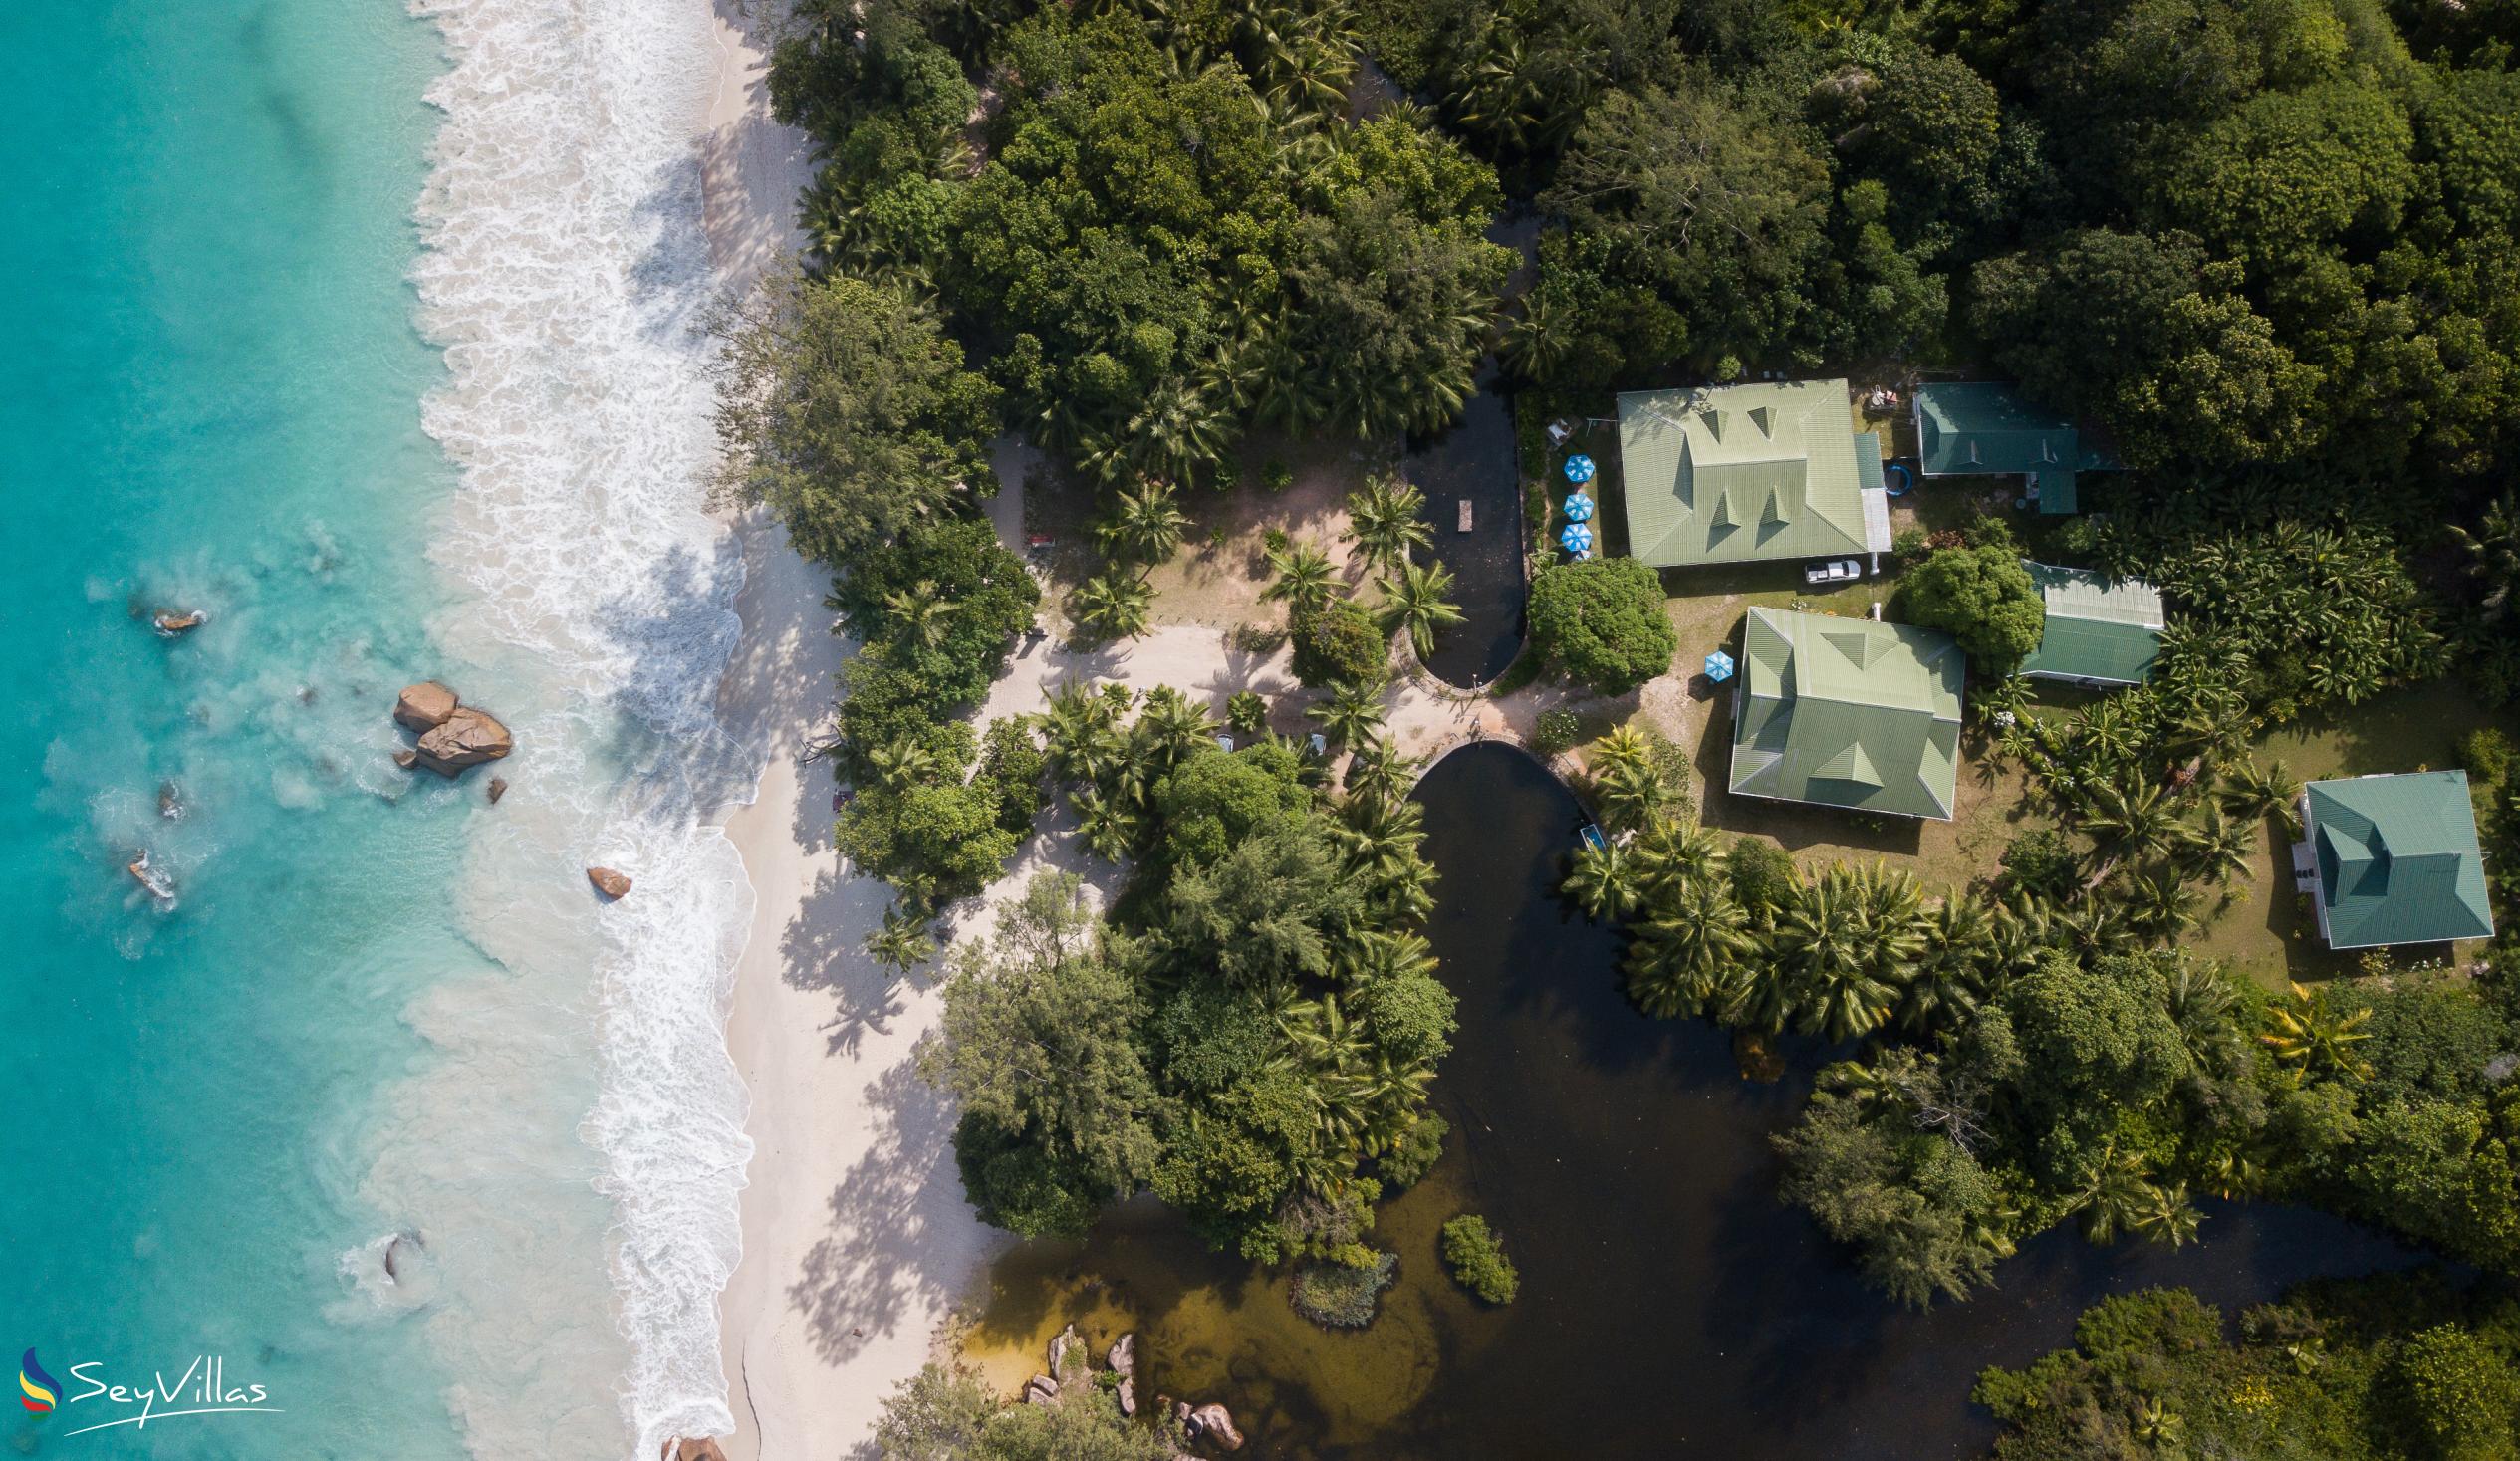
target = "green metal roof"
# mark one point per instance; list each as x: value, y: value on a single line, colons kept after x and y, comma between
x: 1736, y: 473
x: 2397, y: 859
x: 1848, y: 712
x: 2098, y: 628
x: 1979, y: 429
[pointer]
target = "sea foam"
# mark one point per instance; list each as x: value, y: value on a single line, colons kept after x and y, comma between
x: 566, y: 276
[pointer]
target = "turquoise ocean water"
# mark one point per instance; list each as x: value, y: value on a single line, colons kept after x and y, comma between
x: 369, y: 1009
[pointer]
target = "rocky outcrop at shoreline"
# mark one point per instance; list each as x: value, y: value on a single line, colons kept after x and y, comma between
x: 609, y: 883
x: 1073, y: 1373
x: 454, y: 735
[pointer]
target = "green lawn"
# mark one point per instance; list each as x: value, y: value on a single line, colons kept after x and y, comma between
x: 2270, y: 934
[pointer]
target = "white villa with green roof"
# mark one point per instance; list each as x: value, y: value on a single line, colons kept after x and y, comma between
x: 2100, y: 630
x: 1744, y: 473
x: 1848, y: 712
x: 2393, y: 860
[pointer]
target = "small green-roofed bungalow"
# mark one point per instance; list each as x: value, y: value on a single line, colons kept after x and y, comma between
x: 2394, y: 860
x: 1739, y: 473
x: 1980, y: 429
x: 1848, y: 712
x: 2100, y: 630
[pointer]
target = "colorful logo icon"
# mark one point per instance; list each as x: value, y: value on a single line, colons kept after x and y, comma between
x: 37, y: 1391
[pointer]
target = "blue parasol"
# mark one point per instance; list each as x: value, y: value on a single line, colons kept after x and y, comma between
x: 1719, y: 666
x: 1579, y: 468
x: 1577, y: 538
x: 1579, y: 508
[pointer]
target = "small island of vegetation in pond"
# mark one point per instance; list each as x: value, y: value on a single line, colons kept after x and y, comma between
x: 1477, y: 1259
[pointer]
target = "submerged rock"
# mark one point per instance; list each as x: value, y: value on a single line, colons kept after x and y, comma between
x: 468, y: 737
x: 425, y: 706
x: 1213, y: 1422
x: 145, y: 873
x: 171, y: 801
x: 171, y: 623
x: 609, y: 883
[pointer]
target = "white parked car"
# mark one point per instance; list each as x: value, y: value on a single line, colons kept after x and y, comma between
x: 1833, y: 571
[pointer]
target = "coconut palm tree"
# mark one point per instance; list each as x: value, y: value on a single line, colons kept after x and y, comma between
x: 904, y: 942
x: 2313, y: 1039
x: 1539, y: 339
x: 2161, y: 903
x: 1172, y: 727
x: 899, y: 762
x: 1247, y: 712
x: 2256, y: 791
x: 1402, y: 890
x: 1382, y: 520
x: 1108, y: 824
x: 1690, y: 955
x: 2214, y: 848
x: 1416, y: 600
x: 1601, y: 882
x: 1846, y: 943
x: 1379, y: 770
x: 1079, y: 735
x: 1631, y: 793
x: 1351, y: 714
x: 1179, y: 429
x: 1112, y: 605
x: 1622, y: 745
x: 1947, y: 985
x: 1377, y: 837
x: 1674, y: 851
x: 1302, y: 577
x: 2119, y: 1196
x: 1147, y: 524
x: 921, y: 613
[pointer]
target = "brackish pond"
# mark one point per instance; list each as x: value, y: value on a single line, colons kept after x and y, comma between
x: 1671, y: 1306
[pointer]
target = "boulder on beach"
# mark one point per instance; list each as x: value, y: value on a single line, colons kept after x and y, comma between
x: 1123, y: 1355
x: 468, y: 737
x: 609, y: 883
x: 424, y: 707
x: 1213, y: 1422
x: 171, y: 621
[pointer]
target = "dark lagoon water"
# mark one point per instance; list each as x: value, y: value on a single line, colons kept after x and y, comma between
x: 1671, y: 1306
x: 1475, y: 459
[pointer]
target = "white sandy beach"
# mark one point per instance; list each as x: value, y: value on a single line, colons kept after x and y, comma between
x: 856, y: 1241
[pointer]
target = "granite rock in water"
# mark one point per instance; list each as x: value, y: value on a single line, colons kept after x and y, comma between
x: 169, y: 623
x: 424, y: 707
x: 689, y: 1449
x: 609, y: 883
x: 1213, y: 1422
x: 498, y: 789
x: 1041, y: 1390
x: 1126, y: 1390
x: 407, y: 758
x: 1123, y: 1355
x: 1061, y: 1347
x: 468, y: 737
x: 171, y: 801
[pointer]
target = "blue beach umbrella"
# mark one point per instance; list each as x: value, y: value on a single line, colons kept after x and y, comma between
x: 1579, y: 468
x: 1719, y: 666
x: 1577, y: 538
x: 1579, y: 508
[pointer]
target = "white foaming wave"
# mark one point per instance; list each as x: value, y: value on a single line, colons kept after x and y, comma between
x: 564, y: 279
